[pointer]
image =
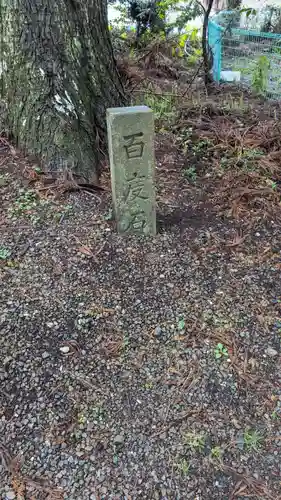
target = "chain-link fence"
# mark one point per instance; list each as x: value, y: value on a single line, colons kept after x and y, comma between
x: 250, y: 56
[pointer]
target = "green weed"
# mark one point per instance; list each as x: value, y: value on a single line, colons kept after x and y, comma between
x: 126, y: 342
x: 216, y: 452
x: 163, y: 106
x: 190, y: 174
x: 200, y: 147
x: 183, y: 467
x: 220, y: 351
x: 98, y: 413
x: 275, y: 415
x: 195, y: 441
x: 233, y: 104
x: 5, y: 254
x: 148, y: 385
x: 249, y: 155
x: 252, y: 439
x: 81, y: 418
x: 260, y: 74
x: 181, y: 324
x: 245, y: 159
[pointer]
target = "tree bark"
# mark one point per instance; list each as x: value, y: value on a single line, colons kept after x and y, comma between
x: 74, y: 79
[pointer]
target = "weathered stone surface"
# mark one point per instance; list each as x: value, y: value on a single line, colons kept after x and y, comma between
x: 131, y: 151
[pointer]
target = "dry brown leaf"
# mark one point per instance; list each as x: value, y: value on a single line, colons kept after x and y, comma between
x: 86, y: 251
x: 180, y: 338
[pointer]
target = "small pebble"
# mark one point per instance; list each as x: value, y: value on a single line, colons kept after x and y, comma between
x: 271, y: 352
x: 65, y: 349
x: 157, y: 331
x: 119, y: 439
x: 10, y: 495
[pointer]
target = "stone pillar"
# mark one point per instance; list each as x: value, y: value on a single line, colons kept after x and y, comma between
x: 131, y: 153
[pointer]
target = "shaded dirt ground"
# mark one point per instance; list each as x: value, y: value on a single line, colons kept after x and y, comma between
x: 111, y: 382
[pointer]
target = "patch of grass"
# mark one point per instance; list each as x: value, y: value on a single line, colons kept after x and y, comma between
x: 5, y: 254
x: 220, y: 351
x: 194, y: 441
x: 163, y: 106
x: 233, y: 103
x: 183, y: 466
x: 253, y: 439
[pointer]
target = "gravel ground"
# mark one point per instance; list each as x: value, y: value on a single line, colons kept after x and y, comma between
x: 113, y: 385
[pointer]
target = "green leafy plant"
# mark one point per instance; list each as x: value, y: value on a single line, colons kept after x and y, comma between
x: 190, y: 174
x: 4, y: 253
x: 125, y: 342
x: 248, y: 158
x: 25, y: 203
x: 275, y: 415
x: 216, y: 452
x: 220, y: 351
x: 183, y: 467
x: 181, y: 324
x: 195, y: 441
x: 148, y: 385
x: 163, y: 107
x: 260, y: 74
x: 98, y: 413
x: 81, y: 418
x: 200, y: 147
x: 252, y: 439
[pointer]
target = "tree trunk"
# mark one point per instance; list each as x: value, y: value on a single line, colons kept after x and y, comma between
x: 233, y: 4
x: 205, y: 45
x: 70, y: 79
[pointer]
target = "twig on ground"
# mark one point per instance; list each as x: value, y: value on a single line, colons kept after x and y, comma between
x: 247, y: 484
